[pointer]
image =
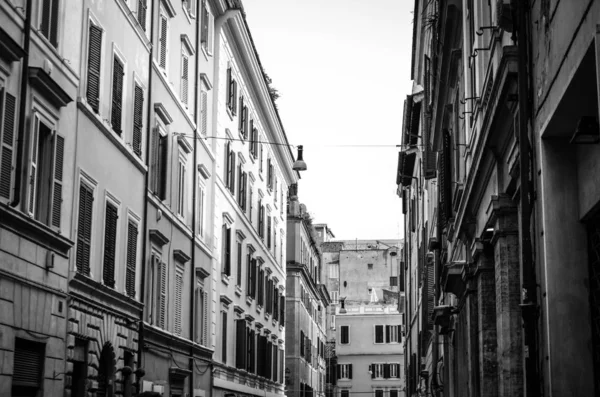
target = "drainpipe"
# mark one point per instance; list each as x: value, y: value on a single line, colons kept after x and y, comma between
x: 22, y: 107
x: 529, y: 306
x: 194, y: 197
x: 145, y: 197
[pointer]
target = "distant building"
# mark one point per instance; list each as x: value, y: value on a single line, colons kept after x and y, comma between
x: 306, y: 306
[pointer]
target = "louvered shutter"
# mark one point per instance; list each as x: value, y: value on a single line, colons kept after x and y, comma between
x: 110, y: 241
x: 430, y: 294
x: 54, y: 24
x: 233, y: 101
x: 204, y: 25
x: 132, y: 237
x: 117, y: 95
x: 386, y: 371
x: 230, y: 94
x: 84, y: 229
x: 241, y: 119
x: 59, y: 154
x: 138, y: 111
x: 387, y: 334
x: 154, y: 160
x: 7, y: 145
x: 282, y: 309
x: 228, y: 251
x: 372, y: 370
x: 178, y: 299
x: 227, y: 175
x: 93, y: 68
x: 28, y: 360
x: 162, y: 307
x: 379, y: 334
x: 205, y: 320
x: 429, y: 155
x: 349, y: 371
x: 445, y: 179
x: 204, y: 112
x: 163, y: 42
x: 184, y: 79
x: 232, y: 182
x: 141, y: 13
x: 240, y: 344
x: 33, y: 168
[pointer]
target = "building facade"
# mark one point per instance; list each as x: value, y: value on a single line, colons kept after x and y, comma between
x: 498, y: 129
x: 306, y: 309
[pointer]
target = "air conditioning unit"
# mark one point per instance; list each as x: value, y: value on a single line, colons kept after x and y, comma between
x: 504, y: 18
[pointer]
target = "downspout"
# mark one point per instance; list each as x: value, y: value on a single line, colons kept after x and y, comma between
x: 194, y: 198
x: 145, y: 197
x: 529, y: 306
x: 22, y: 107
x: 436, y: 291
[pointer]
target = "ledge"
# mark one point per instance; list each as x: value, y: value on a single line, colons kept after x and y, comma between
x: 11, y: 50
x: 157, y: 237
x: 202, y: 273
x: 34, y: 231
x: 185, y: 145
x: 452, y: 280
x: 238, y: 309
x: 181, y: 256
x: 225, y: 300
x: 161, y: 111
x: 203, y: 171
x: 46, y: 85
x: 102, y: 295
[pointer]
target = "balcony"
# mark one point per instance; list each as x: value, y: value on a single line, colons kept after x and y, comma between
x: 452, y: 278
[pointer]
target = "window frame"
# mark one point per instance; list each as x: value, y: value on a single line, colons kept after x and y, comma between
x: 93, y: 20
x: 110, y: 199
x: 181, y: 185
x: 117, y: 55
x: 342, y: 327
x: 91, y: 184
x: 132, y: 218
x: 163, y: 40
x: 137, y: 83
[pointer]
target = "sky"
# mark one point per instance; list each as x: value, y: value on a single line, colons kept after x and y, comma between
x: 342, y: 68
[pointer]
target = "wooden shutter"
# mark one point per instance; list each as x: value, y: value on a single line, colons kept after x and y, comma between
x: 59, y: 154
x: 184, y: 79
x: 162, y: 305
x: 241, y: 119
x: 138, y: 111
x: 178, y: 299
x: 117, y: 95
x: 204, y: 25
x: 204, y: 112
x: 7, y: 145
x: 204, y: 341
x: 132, y: 237
x: 228, y: 251
x: 84, y: 229
x: 162, y: 165
x: 28, y: 363
x: 349, y: 371
x: 93, y: 68
x: 110, y: 243
x: 141, y: 13
x: 445, y: 179
x: 162, y: 62
x: 387, y: 333
x: 240, y: 344
x: 224, y: 337
x: 379, y: 334
x: 49, y: 26
x: 46, y: 11
x: 339, y: 371
x: 230, y: 95
x: 282, y: 309
x: 386, y: 371
x: 232, y: 181
x: 33, y: 167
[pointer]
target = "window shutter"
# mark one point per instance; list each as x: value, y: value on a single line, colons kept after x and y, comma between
x: 46, y: 10
x: 7, y: 144
x: 233, y: 101
x: 241, y: 119
x: 386, y: 371
x: 240, y: 343
x: 33, y: 168
x: 230, y: 94
x: 138, y: 111
x: 232, y: 185
x: 28, y: 363
x: 84, y: 229
x: 302, y: 343
x: 282, y: 309
x: 445, y: 179
x: 117, y: 95
x: 338, y: 371
x: 228, y: 251
x: 387, y: 334
x: 349, y: 371
x: 162, y: 317
x: 59, y: 153
x: 429, y: 155
x: 110, y: 241
x: 54, y: 24
x: 178, y: 298
x: 132, y: 236
x: 93, y: 69
x: 205, y: 320
x: 163, y: 42
x: 204, y: 25
x: 154, y: 160
x: 141, y: 13
x: 204, y: 112
x: 227, y: 164
x: 184, y: 79
x: 372, y: 368
x: 379, y: 334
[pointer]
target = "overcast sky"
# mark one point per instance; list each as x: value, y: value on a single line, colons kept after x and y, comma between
x: 342, y: 68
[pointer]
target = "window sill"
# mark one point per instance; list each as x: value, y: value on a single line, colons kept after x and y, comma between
x: 238, y: 290
x: 249, y: 300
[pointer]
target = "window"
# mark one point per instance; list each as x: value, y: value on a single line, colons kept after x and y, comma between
x: 243, y: 126
x: 132, y: 238
x: 190, y: 7
x: 250, y: 201
x: 178, y: 298
x: 392, y: 333
x: 334, y: 297
x: 379, y: 334
x: 138, y: 123
x: 378, y: 392
x: 253, y: 140
x: 158, y: 165
x: 242, y: 187
x: 302, y: 348
x: 7, y: 134
x: 117, y: 94
x: 393, y: 392
x: 344, y: 334
x: 394, y: 370
x: 163, y: 30
x: 344, y: 371
x: 376, y: 370
x: 229, y: 168
x: 269, y: 221
x: 261, y: 219
x: 270, y: 175
x: 260, y: 159
x: 344, y: 393
x: 93, y: 67
x: 49, y: 22
x: 201, y: 302
x: 226, y: 250
x: 240, y: 258
x: 393, y: 281
x: 251, y: 274
x: 224, y: 337
x: 84, y: 228
x: 184, y: 86
x: 181, y: 186
x: 207, y: 28
x: 231, y: 91
x: 45, y: 173
x: 203, y: 111
x: 200, y: 201
x: 157, y: 291
x: 28, y: 364
x: 111, y: 218
x: 241, y: 339
x: 370, y: 266
x: 141, y: 13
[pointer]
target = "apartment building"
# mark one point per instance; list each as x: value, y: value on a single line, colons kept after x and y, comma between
x: 307, y: 302
x: 253, y: 170
x: 39, y: 80
x: 500, y: 196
